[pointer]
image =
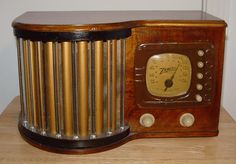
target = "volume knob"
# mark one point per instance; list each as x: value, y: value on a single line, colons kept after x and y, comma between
x: 147, y: 120
x: 187, y: 120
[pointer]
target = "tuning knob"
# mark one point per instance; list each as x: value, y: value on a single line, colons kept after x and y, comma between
x: 187, y: 120
x: 147, y: 120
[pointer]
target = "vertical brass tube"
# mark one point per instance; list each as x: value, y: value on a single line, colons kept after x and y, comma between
x: 67, y: 88
x: 75, y: 102
x: 91, y: 88
x: 122, y: 82
x: 49, y: 85
x: 41, y: 85
x: 109, y: 106
x: 118, y: 95
x: 21, y: 75
x: 99, y: 86
x: 58, y: 87
x: 27, y: 81
x: 34, y: 82
x: 83, y: 87
x: 114, y: 88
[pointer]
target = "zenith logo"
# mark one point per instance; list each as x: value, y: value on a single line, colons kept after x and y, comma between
x: 167, y: 70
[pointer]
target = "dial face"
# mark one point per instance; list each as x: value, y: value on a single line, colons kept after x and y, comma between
x: 168, y: 75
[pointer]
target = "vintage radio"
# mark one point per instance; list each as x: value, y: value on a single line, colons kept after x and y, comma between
x: 91, y: 81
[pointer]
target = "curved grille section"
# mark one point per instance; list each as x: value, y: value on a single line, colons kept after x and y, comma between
x: 72, y: 89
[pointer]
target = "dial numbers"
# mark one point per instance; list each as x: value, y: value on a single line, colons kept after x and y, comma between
x: 168, y: 75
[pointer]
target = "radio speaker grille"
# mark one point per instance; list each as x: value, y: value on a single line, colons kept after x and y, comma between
x: 72, y: 90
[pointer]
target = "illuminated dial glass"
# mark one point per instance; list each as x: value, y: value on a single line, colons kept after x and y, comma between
x: 168, y: 75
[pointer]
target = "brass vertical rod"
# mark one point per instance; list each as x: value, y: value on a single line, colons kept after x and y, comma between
x: 118, y: 95
x: 67, y: 88
x: 122, y: 82
x: 75, y: 88
x: 91, y: 87
x: 37, y: 51
x: 30, y: 86
x: 41, y: 85
x: 58, y: 86
x: 27, y: 81
x: 34, y: 83
x: 109, y: 96
x: 49, y: 85
x: 21, y: 74
x: 83, y: 87
x: 114, y: 88
x: 99, y: 86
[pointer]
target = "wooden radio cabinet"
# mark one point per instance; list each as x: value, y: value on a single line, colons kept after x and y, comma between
x: 93, y: 80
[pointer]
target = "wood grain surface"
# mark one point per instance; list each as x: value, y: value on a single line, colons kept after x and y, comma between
x: 70, y: 21
x: 209, y: 150
x: 100, y: 17
x: 138, y: 99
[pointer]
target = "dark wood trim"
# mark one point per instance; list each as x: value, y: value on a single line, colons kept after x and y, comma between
x: 72, y: 36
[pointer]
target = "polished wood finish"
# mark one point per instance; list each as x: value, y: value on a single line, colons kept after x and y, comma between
x: 167, y: 117
x: 220, y: 149
x: 110, y: 20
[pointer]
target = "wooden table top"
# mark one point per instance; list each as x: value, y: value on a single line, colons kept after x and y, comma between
x: 209, y: 150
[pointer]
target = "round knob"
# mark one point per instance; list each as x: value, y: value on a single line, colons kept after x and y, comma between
x: 198, y: 98
x: 200, y: 53
x: 147, y: 120
x: 199, y: 87
x: 187, y: 120
x: 199, y: 75
x: 200, y: 64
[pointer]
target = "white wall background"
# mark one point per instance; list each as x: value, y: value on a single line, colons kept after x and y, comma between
x: 227, y: 10
x: 9, y: 9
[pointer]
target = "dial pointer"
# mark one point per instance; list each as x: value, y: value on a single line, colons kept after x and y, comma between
x: 169, y: 82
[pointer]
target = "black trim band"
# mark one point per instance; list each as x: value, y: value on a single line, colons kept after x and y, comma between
x: 71, y: 144
x: 72, y: 36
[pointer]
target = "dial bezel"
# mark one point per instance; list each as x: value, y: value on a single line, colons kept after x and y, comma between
x: 145, y: 51
x: 168, y: 78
